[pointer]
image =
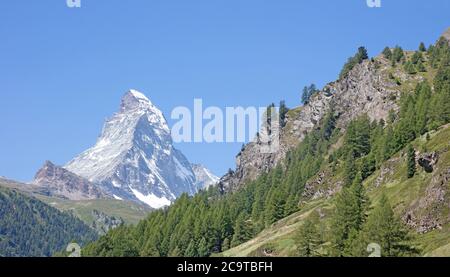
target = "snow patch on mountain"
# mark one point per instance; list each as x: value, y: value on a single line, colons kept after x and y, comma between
x: 152, y: 200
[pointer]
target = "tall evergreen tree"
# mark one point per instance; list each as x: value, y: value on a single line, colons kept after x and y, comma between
x: 282, y: 113
x: 191, y: 250
x: 387, y: 53
x: 242, y: 230
x: 385, y: 229
x: 350, y: 168
x: 422, y: 47
x: 411, y: 165
x: 417, y: 57
x: 308, y: 92
x: 307, y: 238
x: 349, y: 217
x: 397, y: 55
x: 203, y: 248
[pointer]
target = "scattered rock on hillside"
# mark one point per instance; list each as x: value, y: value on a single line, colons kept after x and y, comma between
x: 428, y: 161
x: 427, y: 212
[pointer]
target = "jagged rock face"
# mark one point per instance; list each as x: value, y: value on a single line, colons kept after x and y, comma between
x: 57, y: 181
x: 134, y: 158
x: 367, y: 89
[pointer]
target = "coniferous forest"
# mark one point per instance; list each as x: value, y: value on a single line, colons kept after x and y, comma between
x: 213, y: 222
x: 28, y: 227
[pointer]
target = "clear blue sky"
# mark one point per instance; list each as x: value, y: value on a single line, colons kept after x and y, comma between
x: 63, y: 71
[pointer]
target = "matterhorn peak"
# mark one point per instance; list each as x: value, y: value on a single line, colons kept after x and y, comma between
x: 134, y: 99
x: 134, y: 157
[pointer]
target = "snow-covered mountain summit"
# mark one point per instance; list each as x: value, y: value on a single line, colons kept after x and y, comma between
x: 134, y: 157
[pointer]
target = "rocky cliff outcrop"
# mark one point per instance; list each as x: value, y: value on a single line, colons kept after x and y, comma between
x: 367, y: 89
x: 446, y: 35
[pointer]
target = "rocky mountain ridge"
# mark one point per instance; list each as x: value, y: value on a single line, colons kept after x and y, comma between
x: 367, y: 89
x: 59, y: 182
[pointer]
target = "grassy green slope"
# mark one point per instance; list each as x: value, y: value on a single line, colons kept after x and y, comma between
x: 279, y: 239
x: 130, y: 212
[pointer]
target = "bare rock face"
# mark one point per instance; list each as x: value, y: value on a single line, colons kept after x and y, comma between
x: 57, y: 181
x: 446, y: 35
x: 367, y: 89
x: 320, y: 187
x: 428, y: 212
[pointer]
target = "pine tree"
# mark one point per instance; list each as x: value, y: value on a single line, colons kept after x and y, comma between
x: 358, y: 58
x: 242, y: 230
x: 410, y: 68
x: 420, y: 67
x: 350, y: 215
x: 305, y: 95
x: 307, y: 238
x: 275, y: 207
x: 405, y: 131
x: 282, y: 113
x: 385, y: 229
x: 441, y: 98
x: 308, y: 92
x: 291, y: 205
x: 411, y: 166
x: 417, y: 57
x: 191, y: 250
x: 397, y: 54
x: 422, y: 95
x: 203, y: 250
x: 422, y: 47
x: 368, y: 166
x: 387, y: 53
x: 362, y: 54
x: 150, y: 250
x: 349, y: 168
